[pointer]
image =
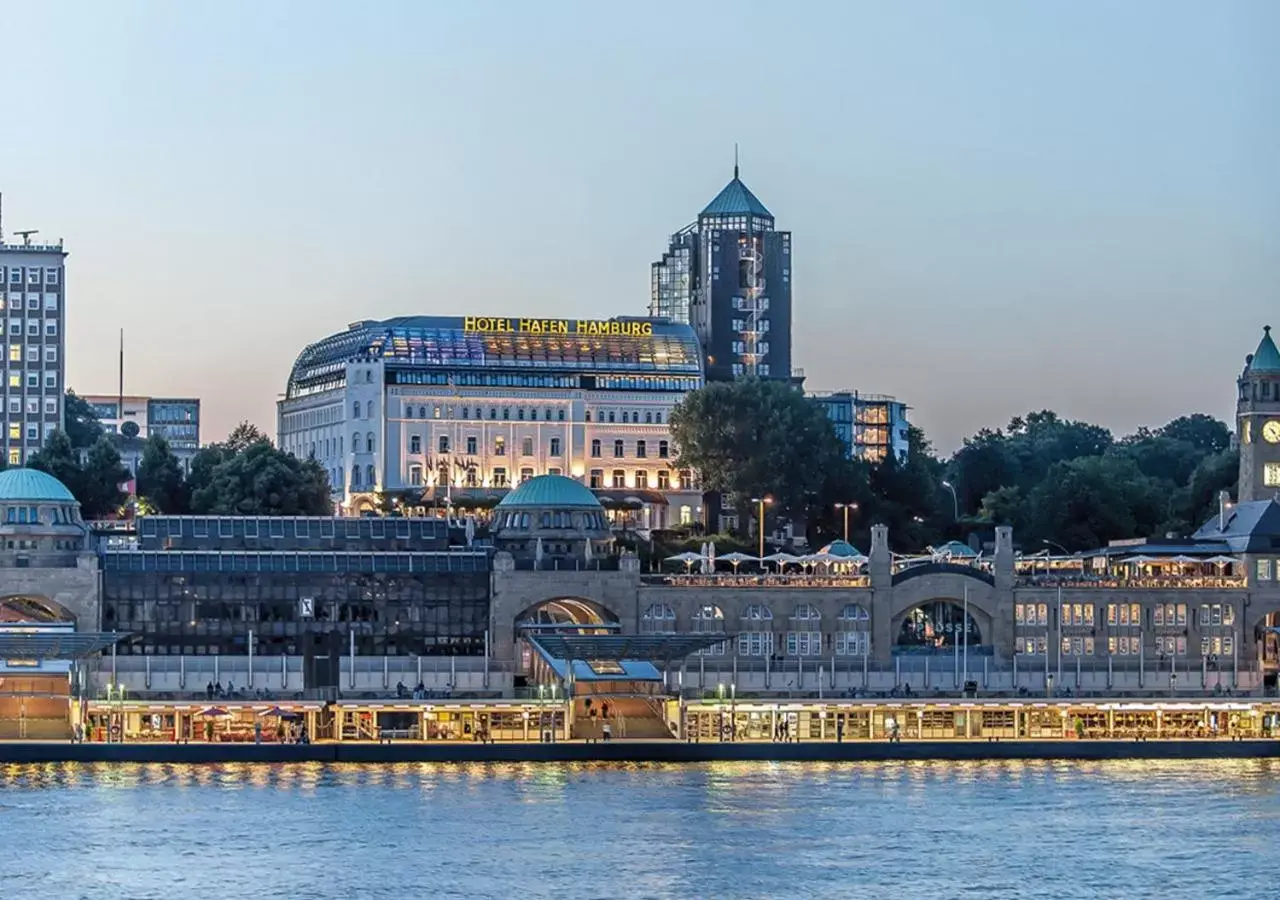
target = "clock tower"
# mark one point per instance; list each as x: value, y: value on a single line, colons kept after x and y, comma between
x: 1258, y: 422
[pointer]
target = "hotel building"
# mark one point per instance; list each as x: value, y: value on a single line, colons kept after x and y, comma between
x: 32, y: 300
x: 871, y: 425
x: 436, y: 409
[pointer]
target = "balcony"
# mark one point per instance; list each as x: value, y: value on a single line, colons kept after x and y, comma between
x: 1076, y: 581
x: 729, y: 580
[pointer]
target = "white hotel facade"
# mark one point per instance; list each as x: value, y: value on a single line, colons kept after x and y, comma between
x: 432, y: 409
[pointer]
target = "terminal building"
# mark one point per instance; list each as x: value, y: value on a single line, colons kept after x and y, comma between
x: 546, y: 604
x: 455, y: 411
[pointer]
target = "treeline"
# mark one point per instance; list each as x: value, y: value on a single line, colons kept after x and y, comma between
x: 1054, y: 480
x: 243, y: 475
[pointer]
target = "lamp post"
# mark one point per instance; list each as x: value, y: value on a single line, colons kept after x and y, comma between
x: 955, y: 503
x: 1055, y: 544
x: 846, y: 507
x: 760, y: 502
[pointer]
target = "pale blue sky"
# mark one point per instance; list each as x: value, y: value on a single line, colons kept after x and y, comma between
x: 997, y: 206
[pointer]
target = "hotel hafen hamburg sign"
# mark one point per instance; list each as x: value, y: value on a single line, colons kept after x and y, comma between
x: 594, y: 327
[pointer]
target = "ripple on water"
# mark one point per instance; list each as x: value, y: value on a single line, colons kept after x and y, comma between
x: 1011, y: 830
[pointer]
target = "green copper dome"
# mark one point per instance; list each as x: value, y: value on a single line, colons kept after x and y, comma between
x: 550, y: 492
x: 1266, y: 358
x: 32, y: 486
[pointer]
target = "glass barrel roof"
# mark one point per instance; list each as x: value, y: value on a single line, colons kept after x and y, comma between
x: 440, y: 342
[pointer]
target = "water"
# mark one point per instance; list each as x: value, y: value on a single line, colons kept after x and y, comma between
x: 1000, y: 830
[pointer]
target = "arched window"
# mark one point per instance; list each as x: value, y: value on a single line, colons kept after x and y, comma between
x: 369, y: 441
x: 355, y: 442
x: 853, y: 635
x: 658, y: 618
x: 372, y: 474
x: 355, y: 410
x: 756, y: 636
x: 355, y: 477
x: 709, y: 619
x: 805, y: 636
x: 422, y: 412
x: 415, y: 444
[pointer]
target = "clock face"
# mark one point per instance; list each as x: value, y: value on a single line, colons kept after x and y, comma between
x: 1271, y: 431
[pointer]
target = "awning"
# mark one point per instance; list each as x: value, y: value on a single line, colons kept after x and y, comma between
x: 661, y: 647
x: 69, y: 645
x: 633, y: 496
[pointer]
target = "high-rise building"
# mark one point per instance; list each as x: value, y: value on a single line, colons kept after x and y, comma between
x: 871, y: 425
x: 728, y: 274
x: 32, y: 281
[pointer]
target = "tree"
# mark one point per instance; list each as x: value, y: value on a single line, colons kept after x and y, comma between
x: 752, y: 438
x: 264, y: 481
x: 1205, y: 433
x: 81, y: 424
x: 61, y: 460
x: 103, y: 475
x: 243, y: 436
x: 160, y: 478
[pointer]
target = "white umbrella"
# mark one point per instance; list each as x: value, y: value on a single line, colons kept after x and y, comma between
x: 537, y: 550
x: 586, y: 550
x: 1138, y: 560
x: 688, y: 558
x: 736, y: 559
x: 781, y: 559
x: 1223, y: 560
x: 1185, y: 560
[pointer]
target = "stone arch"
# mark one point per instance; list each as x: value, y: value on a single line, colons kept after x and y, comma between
x: 949, y: 586
x: 579, y: 611
x: 34, y: 608
x: 938, y: 623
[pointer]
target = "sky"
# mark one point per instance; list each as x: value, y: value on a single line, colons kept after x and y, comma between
x: 996, y: 207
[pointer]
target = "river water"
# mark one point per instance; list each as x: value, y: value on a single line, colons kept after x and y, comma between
x: 926, y: 830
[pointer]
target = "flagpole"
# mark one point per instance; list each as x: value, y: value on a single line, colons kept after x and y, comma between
x: 966, y: 635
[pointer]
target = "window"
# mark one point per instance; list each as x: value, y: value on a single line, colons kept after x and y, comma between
x: 595, y: 449
x: 499, y: 446
x: 853, y: 643
x: 663, y: 449
x: 50, y: 277
x: 51, y: 329
x: 804, y: 643
x: 617, y: 450
x: 1264, y: 570
x: 658, y: 618
x: 526, y: 447
x: 415, y: 475
x: 610, y: 417
x: 408, y: 412
x: 415, y: 444
x: 371, y: 475
x: 51, y: 354
x: 33, y: 328
x: 442, y: 443
x: 596, y: 481
x: 506, y: 413
x: 33, y: 276
x: 471, y: 445
x: 15, y: 353
x: 368, y: 440
x: 756, y: 643
x: 355, y: 442
x: 51, y: 379
x: 50, y: 406
x: 499, y: 477
x: 560, y: 415
x: 555, y: 446
x: 641, y: 450
x: 33, y: 354
x: 33, y: 379
x: 1271, y: 474
x: 642, y: 478
x: 619, y: 478
x: 355, y: 410
x: 355, y: 477
x: 525, y: 474
x: 664, y: 480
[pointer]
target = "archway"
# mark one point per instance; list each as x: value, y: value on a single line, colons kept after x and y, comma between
x: 29, y: 609
x: 937, y: 625
x: 567, y: 612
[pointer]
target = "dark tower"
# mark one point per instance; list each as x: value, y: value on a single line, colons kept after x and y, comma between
x: 729, y: 275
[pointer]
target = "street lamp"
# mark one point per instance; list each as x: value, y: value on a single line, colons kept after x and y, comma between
x: 955, y: 504
x: 760, y: 502
x: 1049, y: 543
x: 846, y: 507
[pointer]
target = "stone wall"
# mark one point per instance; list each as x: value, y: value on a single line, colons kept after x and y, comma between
x: 76, y: 588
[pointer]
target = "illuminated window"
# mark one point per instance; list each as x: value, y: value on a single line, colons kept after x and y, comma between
x: 1271, y: 474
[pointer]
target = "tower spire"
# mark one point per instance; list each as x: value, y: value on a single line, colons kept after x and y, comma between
x: 735, y: 159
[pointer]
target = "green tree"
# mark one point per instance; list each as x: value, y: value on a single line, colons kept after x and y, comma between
x: 244, y: 436
x: 1205, y: 433
x: 61, y: 460
x: 81, y: 424
x: 906, y: 495
x: 1085, y: 502
x: 264, y: 481
x: 751, y: 438
x: 103, y: 475
x: 160, y: 478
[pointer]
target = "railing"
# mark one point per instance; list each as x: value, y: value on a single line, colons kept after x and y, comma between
x: 1105, y: 582
x: 568, y: 564
x: 727, y: 580
x: 941, y: 568
x: 33, y: 248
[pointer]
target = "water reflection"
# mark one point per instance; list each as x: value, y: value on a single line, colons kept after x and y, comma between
x: 913, y: 829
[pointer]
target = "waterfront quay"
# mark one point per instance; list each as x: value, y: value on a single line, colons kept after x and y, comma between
x: 396, y: 730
